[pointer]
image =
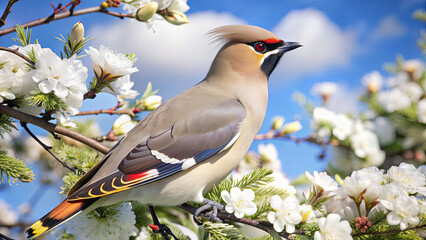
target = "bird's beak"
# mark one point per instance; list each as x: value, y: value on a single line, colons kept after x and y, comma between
x: 288, y: 46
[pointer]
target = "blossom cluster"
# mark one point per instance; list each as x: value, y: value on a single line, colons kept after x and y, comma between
x: 61, y: 80
x: 172, y: 11
x: 366, y: 194
x: 359, y: 136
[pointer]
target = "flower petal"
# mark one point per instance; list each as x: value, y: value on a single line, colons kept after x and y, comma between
x: 276, y: 202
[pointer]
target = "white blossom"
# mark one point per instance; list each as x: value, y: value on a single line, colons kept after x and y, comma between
x: 239, y: 202
x: 411, y: 179
x: 107, y: 61
x: 286, y: 213
x: 385, y: 130
x: 143, y: 234
x: 403, y: 212
x: 65, y: 77
x: 366, y: 145
x: 306, y: 212
x: 324, y: 88
x: 421, y: 110
x: 389, y: 192
x: 120, y: 226
x: 397, y: 80
x: 291, y: 127
x: 331, y: 228
x: 373, y: 81
x: 413, y: 91
x: 342, y: 126
x: 323, y: 115
x: 269, y: 156
x: 7, y: 215
x: 152, y: 102
x: 122, y: 88
x: 322, y: 182
x: 414, y: 67
x: 393, y: 100
x: 360, y: 180
x: 277, y: 122
x: 123, y: 125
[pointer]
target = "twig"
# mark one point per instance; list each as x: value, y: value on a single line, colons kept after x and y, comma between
x: 66, y: 14
x: 107, y: 111
x: 109, y: 137
x: 47, y: 148
x: 5, y: 237
x: 262, y: 225
x: 16, y: 52
x: 6, y: 12
x: 53, y: 128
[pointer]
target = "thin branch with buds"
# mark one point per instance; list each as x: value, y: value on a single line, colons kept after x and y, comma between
x: 6, y: 12
x: 66, y: 14
x: 47, y: 148
x: 107, y: 111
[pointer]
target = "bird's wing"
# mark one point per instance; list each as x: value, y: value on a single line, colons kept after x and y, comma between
x: 186, y: 143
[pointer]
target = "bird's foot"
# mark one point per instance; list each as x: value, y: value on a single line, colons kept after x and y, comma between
x: 157, y: 227
x: 163, y: 230
x: 212, y: 208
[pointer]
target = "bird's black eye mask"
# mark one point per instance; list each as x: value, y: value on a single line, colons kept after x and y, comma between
x: 265, y: 46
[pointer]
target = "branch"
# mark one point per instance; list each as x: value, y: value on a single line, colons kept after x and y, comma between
x: 6, y: 12
x: 107, y: 111
x: 16, y: 52
x: 66, y: 14
x: 47, y: 148
x: 262, y: 225
x: 53, y: 128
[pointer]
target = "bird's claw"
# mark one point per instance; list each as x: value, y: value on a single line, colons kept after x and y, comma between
x: 163, y: 230
x: 212, y: 214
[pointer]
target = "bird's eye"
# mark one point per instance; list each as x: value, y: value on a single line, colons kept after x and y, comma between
x: 260, y: 47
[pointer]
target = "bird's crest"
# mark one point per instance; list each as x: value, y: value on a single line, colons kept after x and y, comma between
x: 241, y: 33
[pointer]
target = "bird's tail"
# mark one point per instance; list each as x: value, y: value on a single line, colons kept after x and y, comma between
x: 59, y: 215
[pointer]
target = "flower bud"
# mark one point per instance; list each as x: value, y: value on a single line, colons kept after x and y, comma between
x: 123, y: 125
x: 77, y: 33
x: 277, y: 122
x: 175, y: 18
x: 291, y: 127
x: 146, y: 12
x: 152, y: 102
x: 104, y: 4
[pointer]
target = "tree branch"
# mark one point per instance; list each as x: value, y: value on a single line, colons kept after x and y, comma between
x: 66, y: 14
x: 6, y: 12
x: 262, y: 225
x: 47, y: 148
x: 16, y: 52
x: 53, y: 128
x: 107, y: 111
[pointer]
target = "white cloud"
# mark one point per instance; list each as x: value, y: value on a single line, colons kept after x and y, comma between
x: 180, y: 56
x: 325, y: 45
x: 171, y: 53
x: 389, y: 27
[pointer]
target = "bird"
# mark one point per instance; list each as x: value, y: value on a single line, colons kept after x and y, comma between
x: 190, y: 142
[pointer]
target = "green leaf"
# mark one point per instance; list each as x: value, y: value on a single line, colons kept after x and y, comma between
x: 23, y: 36
x: 6, y: 124
x: 49, y: 101
x: 252, y: 180
x: 223, y: 231
x: 14, y: 169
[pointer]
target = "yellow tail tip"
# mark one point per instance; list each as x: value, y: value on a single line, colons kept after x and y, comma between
x: 36, y: 230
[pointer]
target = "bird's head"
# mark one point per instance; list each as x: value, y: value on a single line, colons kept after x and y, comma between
x: 248, y: 49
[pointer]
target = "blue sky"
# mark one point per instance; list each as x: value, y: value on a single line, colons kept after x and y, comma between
x: 343, y: 40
